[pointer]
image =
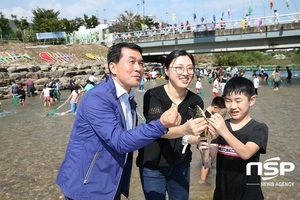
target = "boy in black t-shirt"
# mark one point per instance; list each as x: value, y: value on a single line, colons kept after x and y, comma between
x: 241, y: 141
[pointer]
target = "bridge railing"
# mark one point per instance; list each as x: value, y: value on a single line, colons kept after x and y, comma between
x: 232, y: 24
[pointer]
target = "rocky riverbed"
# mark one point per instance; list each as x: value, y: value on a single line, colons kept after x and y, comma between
x: 40, y: 70
x: 40, y: 74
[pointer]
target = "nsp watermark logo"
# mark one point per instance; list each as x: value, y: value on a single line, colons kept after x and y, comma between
x: 270, y: 169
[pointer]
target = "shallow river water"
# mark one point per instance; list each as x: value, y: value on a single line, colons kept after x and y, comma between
x: 32, y: 145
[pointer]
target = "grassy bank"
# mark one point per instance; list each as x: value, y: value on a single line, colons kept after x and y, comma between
x: 33, y: 50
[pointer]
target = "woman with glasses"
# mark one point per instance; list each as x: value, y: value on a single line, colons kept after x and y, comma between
x: 164, y: 164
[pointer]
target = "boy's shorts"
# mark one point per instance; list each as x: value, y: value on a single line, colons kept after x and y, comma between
x: 47, y: 98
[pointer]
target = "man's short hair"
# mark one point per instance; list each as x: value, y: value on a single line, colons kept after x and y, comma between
x: 115, y: 52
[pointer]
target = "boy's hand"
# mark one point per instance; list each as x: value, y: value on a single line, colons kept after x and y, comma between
x: 217, y: 124
x: 212, y: 131
x: 195, y: 126
x: 171, y: 117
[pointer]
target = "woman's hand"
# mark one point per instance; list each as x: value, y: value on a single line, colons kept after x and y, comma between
x: 195, y: 126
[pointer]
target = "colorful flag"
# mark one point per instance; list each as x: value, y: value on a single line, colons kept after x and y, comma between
x: 259, y: 22
x: 228, y: 12
x: 287, y: 4
x: 271, y: 4
x: 174, y: 17
x: 243, y: 23
x: 250, y: 10
x: 194, y: 16
x: 214, y: 18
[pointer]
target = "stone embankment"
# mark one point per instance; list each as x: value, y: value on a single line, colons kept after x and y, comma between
x: 40, y: 73
x: 40, y: 70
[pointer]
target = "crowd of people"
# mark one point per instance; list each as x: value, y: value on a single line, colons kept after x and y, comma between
x: 219, y: 76
x: 51, y: 91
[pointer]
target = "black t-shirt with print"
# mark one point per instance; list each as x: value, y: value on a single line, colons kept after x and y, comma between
x: 232, y: 183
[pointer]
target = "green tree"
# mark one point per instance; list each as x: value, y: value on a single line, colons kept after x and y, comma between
x: 228, y: 59
x: 46, y: 20
x: 129, y: 21
x: 296, y: 56
x: 22, y: 25
x: 240, y: 58
x: 70, y: 26
x: 5, y: 29
x: 218, y: 59
x: 250, y: 57
x: 91, y: 22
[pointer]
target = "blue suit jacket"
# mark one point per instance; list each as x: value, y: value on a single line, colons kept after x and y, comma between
x: 100, y: 149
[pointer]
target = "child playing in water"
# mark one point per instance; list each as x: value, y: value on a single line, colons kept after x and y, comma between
x: 21, y: 94
x: 73, y: 98
x: 217, y: 106
x: 198, y: 86
x: 46, y: 92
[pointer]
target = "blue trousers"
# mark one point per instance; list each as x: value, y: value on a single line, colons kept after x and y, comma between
x: 175, y: 181
x: 30, y: 90
x: 73, y: 107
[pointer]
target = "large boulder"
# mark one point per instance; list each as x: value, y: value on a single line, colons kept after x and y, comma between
x: 4, y: 75
x: 45, y: 68
x: 16, y: 76
x: 4, y: 82
x: 34, y: 75
x: 59, y: 73
x: 33, y: 68
x: 11, y: 69
x: 21, y: 68
x: 3, y: 69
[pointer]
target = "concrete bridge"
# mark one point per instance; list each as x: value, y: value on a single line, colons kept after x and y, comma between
x: 255, y: 34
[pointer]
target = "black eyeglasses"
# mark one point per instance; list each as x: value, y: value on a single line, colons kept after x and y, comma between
x: 180, y: 70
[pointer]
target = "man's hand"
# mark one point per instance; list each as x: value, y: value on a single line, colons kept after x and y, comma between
x: 171, y: 117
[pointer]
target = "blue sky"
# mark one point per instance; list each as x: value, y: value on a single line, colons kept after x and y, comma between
x: 163, y: 9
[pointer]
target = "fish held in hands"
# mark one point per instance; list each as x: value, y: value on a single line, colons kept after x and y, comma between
x: 205, y: 153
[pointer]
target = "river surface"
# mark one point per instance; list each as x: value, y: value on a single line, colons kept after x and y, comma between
x: 33, y: 145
